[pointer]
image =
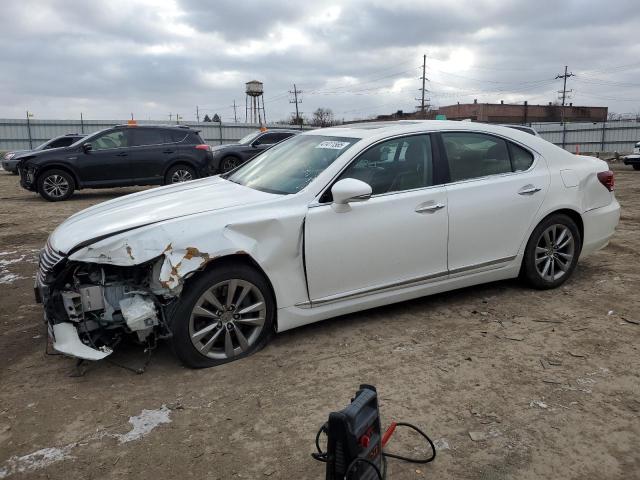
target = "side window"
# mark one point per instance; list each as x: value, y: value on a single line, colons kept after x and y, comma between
x: 114, y: 139
x: 191, y: 138
x: 61, y: 142
x: 521, y: 159
x: 473, y: 155
x: 267, y: 139
x: 147, y: 136
x: 395, y: 165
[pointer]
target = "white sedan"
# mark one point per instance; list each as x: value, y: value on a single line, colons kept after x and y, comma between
x: 329, y: 222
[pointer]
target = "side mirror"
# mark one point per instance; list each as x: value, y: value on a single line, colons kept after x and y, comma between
x: 349, y: 190
x: 87, y: 147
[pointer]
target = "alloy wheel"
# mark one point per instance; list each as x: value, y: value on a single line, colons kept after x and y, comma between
x: 229, y: 163
x: 55, y: 186
x: 227, y: 319
x: 554, y: 252
x: 181, y: 176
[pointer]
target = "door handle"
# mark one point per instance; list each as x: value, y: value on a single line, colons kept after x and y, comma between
x: 121, y: 154
x: 431, y: 208
x: 168, y: 151
x: 528, y: 190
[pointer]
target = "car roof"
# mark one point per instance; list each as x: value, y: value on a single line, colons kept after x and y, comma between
x: 373, y: 131
x: 172, y: 127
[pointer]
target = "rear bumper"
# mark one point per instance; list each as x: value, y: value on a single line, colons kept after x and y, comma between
x: 599, y: 227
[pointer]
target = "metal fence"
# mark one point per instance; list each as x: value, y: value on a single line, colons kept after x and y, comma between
x: 587, y: 137
x: 15, y: 133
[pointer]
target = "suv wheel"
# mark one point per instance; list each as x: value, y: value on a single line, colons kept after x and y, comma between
x: 56, y: 185
x: 227, y: 313
x: 179, y: 174
x: 552, y: 252
x: 229, y: 163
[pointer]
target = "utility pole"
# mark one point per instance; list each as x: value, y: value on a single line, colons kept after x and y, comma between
x: 295, y: 93
x: 564, y: 89
x: 29, y: 129
x: 423, y: 89
x: 235, y: 112
x: 197, y: 114
x: 81, y: 123
x: 170, y: 117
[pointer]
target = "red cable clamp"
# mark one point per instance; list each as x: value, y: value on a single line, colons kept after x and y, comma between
x: 387, y: 435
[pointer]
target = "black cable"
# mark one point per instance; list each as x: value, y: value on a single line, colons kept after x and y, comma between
x: 413, y: 460
x: 320, y: 456
x: 355, y: 461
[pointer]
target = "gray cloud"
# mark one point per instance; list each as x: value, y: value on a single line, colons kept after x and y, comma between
x: 107, y: 59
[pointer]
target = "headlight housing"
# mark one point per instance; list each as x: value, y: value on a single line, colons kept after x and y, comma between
x: 9, y: 155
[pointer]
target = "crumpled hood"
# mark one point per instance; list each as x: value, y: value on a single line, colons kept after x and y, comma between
x: 152, y: 206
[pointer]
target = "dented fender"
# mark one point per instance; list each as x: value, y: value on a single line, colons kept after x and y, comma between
x: 184, y: 246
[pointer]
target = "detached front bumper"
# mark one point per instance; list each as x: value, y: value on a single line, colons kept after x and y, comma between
x: 64, y: 335
x: 10, y: 166
x: 632, y: 160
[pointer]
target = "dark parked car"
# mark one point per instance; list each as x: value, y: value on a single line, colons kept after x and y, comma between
x: 11, y: 159
x: 120, y: 156
x: 228, y: 157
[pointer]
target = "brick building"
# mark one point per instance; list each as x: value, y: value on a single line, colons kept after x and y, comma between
x: 522, y: 113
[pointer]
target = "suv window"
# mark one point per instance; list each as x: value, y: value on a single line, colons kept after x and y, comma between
x: 473, y: 155
x: 192, y: 138
x: 395, y: 165
x: 149, y: 136
x: 61, y: 142
x: 113, y: 139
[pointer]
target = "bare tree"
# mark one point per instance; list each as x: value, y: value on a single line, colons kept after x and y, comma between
x: 323, y: 117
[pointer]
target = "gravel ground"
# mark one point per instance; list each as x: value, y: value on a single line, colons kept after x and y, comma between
x: 546, y: 382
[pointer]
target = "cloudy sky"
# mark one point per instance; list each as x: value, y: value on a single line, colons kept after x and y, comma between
x: 109, y: 59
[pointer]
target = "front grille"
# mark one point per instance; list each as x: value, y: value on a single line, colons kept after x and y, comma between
x: 49, y: 259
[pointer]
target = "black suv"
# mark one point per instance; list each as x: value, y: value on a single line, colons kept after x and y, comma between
x: 228, y: 157
x: 120, y: 156
x: 12, y: 159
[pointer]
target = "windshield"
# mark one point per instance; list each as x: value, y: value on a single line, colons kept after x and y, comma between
x: 291, y: 165
x: 249, y: 138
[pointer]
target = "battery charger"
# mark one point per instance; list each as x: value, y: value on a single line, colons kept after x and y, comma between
x: 355, y: 442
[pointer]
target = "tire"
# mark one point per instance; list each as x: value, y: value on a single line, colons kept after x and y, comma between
x: 206, y: 335
x: 229, y: 163
x: 636, y: 167
x: 552, y: 252
x: 56, y: 185
x: 179, y: 173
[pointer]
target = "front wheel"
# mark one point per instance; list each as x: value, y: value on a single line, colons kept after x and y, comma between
x: 56, y: 185
x: 227, y: 313
x: 552, y: 252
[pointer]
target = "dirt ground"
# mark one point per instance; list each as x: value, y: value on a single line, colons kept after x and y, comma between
x: 547, y: 382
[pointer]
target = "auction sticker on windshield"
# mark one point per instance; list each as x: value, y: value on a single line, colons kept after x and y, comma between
x: 333, y: 145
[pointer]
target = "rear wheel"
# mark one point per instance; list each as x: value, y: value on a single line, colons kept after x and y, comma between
x: 552, y: 252
x: 226, y: 314
x: 229, y: 163
x: 55, y: 185
x: 179, y: 174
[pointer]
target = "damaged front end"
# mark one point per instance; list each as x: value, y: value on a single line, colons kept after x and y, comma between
x: 91, y: 307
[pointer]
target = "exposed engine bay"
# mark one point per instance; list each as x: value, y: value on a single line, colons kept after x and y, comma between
x: 93, y: 307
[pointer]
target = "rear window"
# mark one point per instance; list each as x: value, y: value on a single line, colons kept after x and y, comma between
x: 190, y: 138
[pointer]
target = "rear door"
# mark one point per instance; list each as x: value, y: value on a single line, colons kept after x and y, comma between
x: 496, y: 188
x: 152, y: 151
x: 107, y: 163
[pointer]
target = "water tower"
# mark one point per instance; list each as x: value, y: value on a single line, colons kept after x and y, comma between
x: 254, y: 113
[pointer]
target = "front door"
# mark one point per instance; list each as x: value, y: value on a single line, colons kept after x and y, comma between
x: 496, y: 189
x: 107, y: 163
x: 396, y: 237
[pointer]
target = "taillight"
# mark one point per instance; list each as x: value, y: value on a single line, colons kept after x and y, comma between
x: 203, y: 146
x: 606, y: 179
